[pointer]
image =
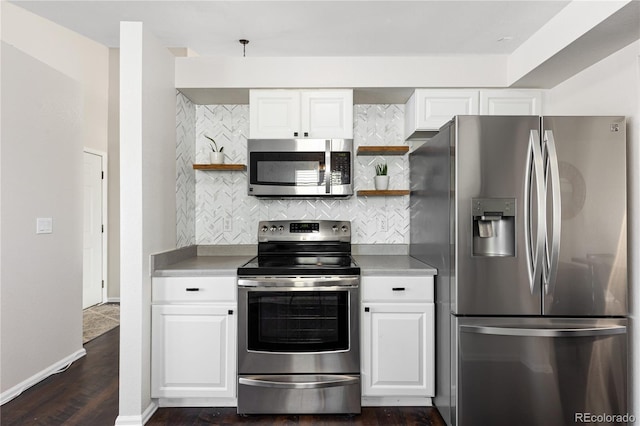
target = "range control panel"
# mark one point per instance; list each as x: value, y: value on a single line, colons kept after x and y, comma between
x: 301, y: 230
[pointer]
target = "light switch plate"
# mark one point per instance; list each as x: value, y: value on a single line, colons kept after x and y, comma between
x: 44, y: 225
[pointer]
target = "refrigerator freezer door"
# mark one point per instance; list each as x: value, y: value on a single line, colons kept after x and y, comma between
x: 495, y: 161
x: 539, y: 371
x: 585, y: 261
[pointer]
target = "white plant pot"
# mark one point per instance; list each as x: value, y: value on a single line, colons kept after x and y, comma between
x: 381, y: 183
x: 216, y: 157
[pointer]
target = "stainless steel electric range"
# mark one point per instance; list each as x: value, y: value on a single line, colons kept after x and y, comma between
x: 298, y: 321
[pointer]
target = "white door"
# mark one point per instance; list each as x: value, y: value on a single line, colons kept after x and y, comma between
x: 398, y: 350
x: 510, y: 102
x: 193, y: 351
x: 274, y: 114
x: 92, y: 254
x: 327, y: 113
x: 435, y: 107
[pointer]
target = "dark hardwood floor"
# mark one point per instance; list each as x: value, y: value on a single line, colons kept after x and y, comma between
x: 386, y: 416
x: 87, y: 394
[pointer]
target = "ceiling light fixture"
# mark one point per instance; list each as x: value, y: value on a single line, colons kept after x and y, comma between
x: 244, y: 43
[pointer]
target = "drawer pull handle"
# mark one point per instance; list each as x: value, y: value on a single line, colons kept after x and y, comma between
x: 193, y: 289
x: 398, y: 289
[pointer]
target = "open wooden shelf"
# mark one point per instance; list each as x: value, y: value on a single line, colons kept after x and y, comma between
x: 385, y: 193
x: 383, y: 150
x: 222, y: 167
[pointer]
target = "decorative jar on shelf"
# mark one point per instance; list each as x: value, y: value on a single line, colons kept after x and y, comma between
x: 216, y: 157
x: 381, y: 182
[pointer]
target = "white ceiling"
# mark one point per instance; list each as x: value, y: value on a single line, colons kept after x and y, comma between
x: 312, y: 28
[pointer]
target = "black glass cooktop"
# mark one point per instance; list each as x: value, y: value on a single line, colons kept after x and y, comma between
x: 300, y: 265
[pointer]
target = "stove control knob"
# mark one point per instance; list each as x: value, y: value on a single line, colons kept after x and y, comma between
x: 265, y: 229
x: 344, y: 228
x: 273, y: 228
x: 281, y: 228
x: 334, y: 228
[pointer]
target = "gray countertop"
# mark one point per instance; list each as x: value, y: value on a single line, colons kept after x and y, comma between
x: 198, y: 266
x: 203, y: 266
x: 392, y: 265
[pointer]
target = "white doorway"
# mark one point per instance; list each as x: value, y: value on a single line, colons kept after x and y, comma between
x: 93, y: 252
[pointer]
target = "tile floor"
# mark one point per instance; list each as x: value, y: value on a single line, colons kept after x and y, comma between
x: 99, y: 319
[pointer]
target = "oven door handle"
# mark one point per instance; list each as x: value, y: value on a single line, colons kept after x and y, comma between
x: 313, y: 382
x: 299, y: 283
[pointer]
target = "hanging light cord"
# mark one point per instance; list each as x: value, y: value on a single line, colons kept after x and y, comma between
x: 244, y: 43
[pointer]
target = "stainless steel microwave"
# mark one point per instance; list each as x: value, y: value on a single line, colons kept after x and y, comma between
x: 300, y: 167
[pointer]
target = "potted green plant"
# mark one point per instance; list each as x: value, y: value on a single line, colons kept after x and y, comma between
x: 381, y: 181
x: 216, y: 155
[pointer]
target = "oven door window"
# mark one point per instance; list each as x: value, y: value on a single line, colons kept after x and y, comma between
x: 298, y: 321
x: 287, y: 168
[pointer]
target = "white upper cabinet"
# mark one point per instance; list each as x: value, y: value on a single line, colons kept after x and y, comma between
x: 274, y: 114
x: 427, y: 110
x: 510, y: 102
x: 327, y: 113
x: 282, y: 114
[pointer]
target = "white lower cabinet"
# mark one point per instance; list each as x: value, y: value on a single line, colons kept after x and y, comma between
x: 193, y: 345
x: 397, y: 337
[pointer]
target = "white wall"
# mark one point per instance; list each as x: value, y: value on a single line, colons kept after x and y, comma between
x: 88, y: 63
x: 113, y: 174
x: 612, y: 87
x: 76, y: 56
x: 41, y: 305
x: 347, y: 72
x: 147, y: 202
x: 66, y: 84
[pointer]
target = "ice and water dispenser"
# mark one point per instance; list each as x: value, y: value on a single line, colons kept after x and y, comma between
x: 494, y: 222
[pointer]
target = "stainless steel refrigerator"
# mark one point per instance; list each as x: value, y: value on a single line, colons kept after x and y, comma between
x: 525, y: 219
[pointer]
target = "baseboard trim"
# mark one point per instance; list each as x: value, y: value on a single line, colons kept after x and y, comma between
x: 197, y: 402
x: 140, y: 420
x: 113, y: 300
x: 396, y: 401
x: 15, y: 391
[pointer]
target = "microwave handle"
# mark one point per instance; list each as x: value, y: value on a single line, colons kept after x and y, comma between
x: 327, y: 166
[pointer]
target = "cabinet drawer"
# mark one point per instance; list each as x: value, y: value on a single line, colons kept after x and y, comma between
x: 194, y: 289
x: 391, y: 289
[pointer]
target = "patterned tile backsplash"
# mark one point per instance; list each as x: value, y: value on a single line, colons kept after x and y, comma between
x: 185, y: 176
x: 223, y: 212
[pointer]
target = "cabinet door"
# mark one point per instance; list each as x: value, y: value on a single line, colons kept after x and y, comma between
x: 274, y: 114
x: 398, y: 351
x: 327, y: 113
x: 433, y: 108
x: 510, y: 102
x: 193, y: 351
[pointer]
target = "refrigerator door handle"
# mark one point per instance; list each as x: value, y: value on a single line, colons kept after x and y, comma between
x: 535, y: 247
x: 544, y: 332
x: 552, y: 172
